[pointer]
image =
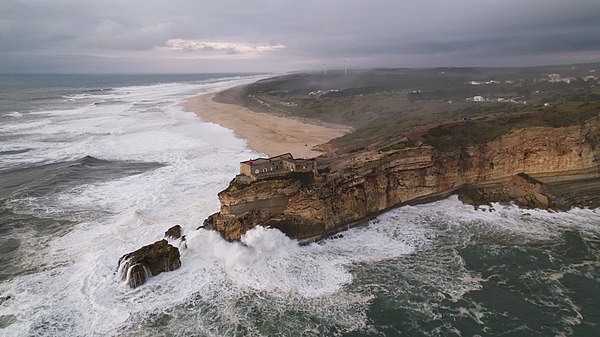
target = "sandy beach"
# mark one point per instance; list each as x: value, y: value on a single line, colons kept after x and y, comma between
x: 265, y: 133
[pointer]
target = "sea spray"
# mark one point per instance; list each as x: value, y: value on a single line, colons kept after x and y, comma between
x: 420, y: 243
x: 62, y: 251
x: 429, y: 270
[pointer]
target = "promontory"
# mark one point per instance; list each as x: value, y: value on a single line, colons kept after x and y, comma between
x: 524, y: 135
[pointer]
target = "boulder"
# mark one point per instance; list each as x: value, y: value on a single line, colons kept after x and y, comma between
x: 541, y: 200
x: 522, y: 189
x: 527, y: 191
x: 136, y: 275
x: 173, y: 232
x: 147, y: 261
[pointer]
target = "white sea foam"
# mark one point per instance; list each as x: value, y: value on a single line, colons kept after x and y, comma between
x: 118, y: 129
x: 13, y: 114
x: 83, y: 291
x: 77, y: 291
x: 77, y: 287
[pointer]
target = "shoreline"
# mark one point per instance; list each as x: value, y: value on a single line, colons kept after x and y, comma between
x: 263, y: 132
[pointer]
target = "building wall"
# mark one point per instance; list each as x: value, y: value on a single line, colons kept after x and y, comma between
x: 262, y: 167
x: 245, y: 169
x: 288, y: 166
x: 305, y: 165
x: 269, y: 167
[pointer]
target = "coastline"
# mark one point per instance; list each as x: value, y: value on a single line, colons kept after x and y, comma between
x: 265, y: 133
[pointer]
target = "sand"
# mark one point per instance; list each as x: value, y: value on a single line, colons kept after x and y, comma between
x: 265, y: 133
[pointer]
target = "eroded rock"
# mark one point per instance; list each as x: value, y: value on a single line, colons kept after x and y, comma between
x: 173, y: 232
x: 150, y: 260
x: 369, y: 183
x: 521, y: 189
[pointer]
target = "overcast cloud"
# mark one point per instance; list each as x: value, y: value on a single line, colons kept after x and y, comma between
x: 282, y: 35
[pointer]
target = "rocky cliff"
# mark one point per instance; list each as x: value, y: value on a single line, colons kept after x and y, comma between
x: 311, y: 207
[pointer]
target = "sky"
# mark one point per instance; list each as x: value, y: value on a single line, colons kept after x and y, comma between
x: 188, y: 36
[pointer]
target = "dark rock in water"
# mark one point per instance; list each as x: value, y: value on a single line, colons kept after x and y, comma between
x: 149, y: 260
x: 173, y: 232
x: 4, y: 299
x: 137, y: 275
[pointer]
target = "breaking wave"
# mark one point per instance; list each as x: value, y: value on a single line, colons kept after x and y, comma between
x: 99, y: 181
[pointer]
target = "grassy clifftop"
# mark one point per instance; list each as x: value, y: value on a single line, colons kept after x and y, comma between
x: 395, y: 108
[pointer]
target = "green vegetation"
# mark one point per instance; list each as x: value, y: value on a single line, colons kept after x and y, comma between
x: 485, y: 129
x: 392, y: 109
x: 570, y: 113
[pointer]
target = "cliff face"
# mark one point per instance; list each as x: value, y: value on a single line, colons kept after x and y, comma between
x: 538, y: 151
x: 304, y: 208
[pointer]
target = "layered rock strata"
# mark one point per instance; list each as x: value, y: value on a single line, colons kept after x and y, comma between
x: 521, y: 189
x: 308, y: 207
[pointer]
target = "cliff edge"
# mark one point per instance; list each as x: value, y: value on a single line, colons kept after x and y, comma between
x: 349, y: 189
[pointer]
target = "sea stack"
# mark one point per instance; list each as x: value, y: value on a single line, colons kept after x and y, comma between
x: 150, y: 260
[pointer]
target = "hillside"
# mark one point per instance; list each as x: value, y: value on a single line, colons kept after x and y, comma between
x: 386, y: 105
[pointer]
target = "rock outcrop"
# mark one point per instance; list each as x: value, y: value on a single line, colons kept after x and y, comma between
x: 149, y: 260
x: 308, y: 208
x: 521, y: 189
x: 173, y: 233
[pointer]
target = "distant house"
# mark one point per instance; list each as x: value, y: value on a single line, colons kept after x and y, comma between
x: 274, y: 166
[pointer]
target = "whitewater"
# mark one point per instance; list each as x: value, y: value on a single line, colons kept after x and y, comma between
x: 89, y: 175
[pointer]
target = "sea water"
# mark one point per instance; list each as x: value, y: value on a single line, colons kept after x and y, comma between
x: 93, y: 167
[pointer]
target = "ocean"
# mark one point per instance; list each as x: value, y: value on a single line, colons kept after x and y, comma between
x: 93, y: 167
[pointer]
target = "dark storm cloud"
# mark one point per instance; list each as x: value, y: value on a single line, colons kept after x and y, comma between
x: 284, y: 34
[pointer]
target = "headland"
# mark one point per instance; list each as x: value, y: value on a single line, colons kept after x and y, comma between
x: 527, y: 135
